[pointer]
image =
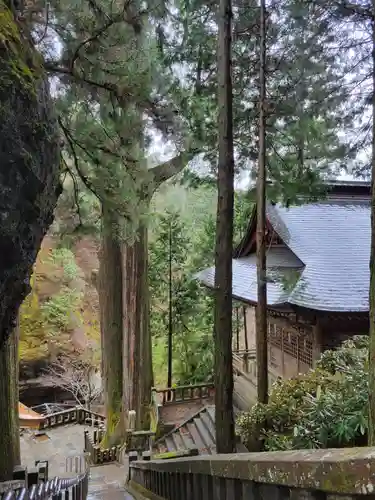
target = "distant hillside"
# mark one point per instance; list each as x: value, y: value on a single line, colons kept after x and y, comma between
x: 62, y: 311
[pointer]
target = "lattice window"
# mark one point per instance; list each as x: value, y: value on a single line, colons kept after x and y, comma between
x: 290, y: 343
x: 305, y: 352
x: 275, y: 337
x: 296, y: 343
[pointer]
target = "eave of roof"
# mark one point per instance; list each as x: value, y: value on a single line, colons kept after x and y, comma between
x: 332, y: 239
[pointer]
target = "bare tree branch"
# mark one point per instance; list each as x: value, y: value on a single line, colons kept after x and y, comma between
x: 79, y: 377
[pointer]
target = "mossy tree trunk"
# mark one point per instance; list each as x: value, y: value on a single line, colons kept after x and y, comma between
x: 9, y: 418
x: 110, y: 299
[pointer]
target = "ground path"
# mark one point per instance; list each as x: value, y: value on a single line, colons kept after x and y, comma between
x: 106, y: 481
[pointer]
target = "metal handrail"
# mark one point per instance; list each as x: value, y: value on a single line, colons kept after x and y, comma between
x: 53, y: 488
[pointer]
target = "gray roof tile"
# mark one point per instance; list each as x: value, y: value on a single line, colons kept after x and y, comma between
x: 329, y: 244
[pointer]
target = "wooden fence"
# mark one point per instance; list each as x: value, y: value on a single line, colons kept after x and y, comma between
x: 75, y: 415
x: 97, y: 455
x: 244, y: 362
x: 185, y: 393
x: 347, y: 474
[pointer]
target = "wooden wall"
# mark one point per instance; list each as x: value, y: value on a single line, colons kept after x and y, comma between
x: 336, y: 329
x: 246, y: 331
x: 296, y: 343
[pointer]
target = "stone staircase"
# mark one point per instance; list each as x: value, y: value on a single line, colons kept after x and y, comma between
x: 244, y: 393
x: 196, y: 432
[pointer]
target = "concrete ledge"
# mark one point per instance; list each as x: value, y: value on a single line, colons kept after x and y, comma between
x: 140, y: 493
x: 344, y: 471
x: 170, y: 455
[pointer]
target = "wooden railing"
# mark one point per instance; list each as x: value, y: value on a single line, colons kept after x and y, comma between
x: 32, y: 488
x: 76, y: 464
x: 139, y: 441
x: 154, y: 413
x: 70, y: 416
x: 51, y: 408
x: 297, y: 475
x: 245, y: 362
x: 185, y: 393
x: 96, y: 454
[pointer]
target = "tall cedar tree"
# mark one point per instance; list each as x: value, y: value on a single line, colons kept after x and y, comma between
x: 303, y: 66
x: 225, y: 438
x: 371, y: 432
x: 261, y: 311
x: 9, y: 436
x: 107, y: 53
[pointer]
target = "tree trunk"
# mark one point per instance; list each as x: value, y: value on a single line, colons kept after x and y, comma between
x: 170, y: 312
x: 137, y: 343
x: 371, y: 433
x: 9, y: 418
x: 110, y: 300
x: 225, y: 439
x: 261, y: 311
x: 137, y: 355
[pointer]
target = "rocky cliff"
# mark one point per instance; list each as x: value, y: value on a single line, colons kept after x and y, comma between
x: 29, y: 163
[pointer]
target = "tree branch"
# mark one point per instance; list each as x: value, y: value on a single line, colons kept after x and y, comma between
x: 168, y: 169
x: 347, y: 8
x: 120, y: 92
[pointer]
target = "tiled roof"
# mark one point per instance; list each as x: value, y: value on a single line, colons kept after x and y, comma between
x: 326, y: 264
x: 244, y: 285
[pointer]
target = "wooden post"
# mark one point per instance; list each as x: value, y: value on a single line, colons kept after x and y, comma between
x: 298, y: 364
x: 317, y: 341
x: 237, y: 330
x: 170, y: 312
x: 282, y: 352
x: 245, y: 328
x: 20, y: 474
x: 261, y: 310
x: 245, y: 358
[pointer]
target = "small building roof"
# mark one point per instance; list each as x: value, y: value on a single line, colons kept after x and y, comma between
x: 323, y: 263
x: 28, y: 417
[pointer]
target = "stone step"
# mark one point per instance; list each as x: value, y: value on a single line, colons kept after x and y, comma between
x: 211, y: 412
x: 178, y: 442
x: 186, y: 438
x: 207, y: 420
x: 205, y: 434
x: 170, y: 444
x: 197, y: 438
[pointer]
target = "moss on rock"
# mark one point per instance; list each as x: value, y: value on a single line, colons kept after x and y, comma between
x: 22, y: 62
x: 29, y: 163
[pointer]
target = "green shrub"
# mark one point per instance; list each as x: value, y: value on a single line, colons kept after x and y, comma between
x: 63, y: 257
x: 60, y: 310
x: 326, y: 407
